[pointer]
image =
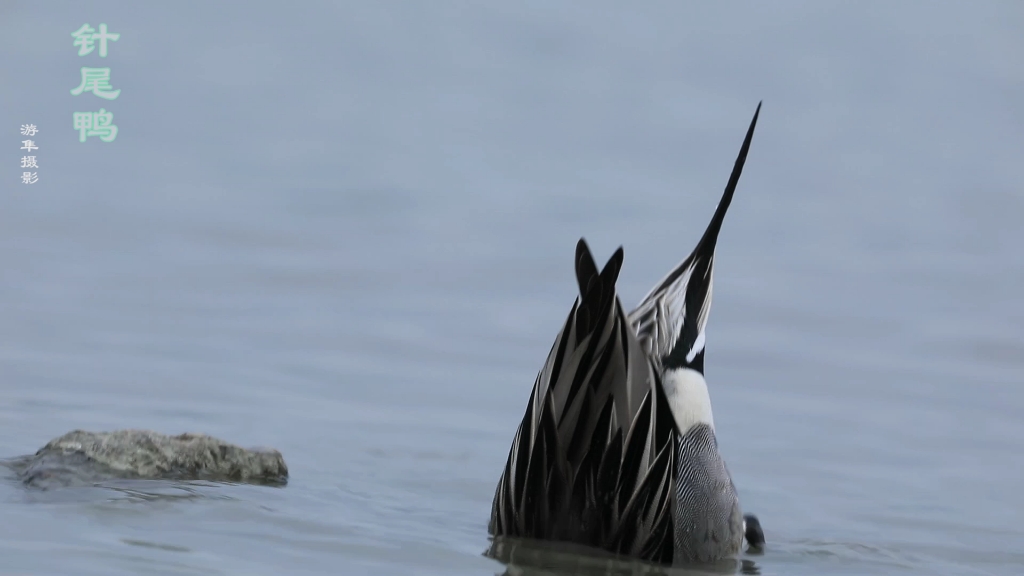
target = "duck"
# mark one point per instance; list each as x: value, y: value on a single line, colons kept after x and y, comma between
x: 617, y: 449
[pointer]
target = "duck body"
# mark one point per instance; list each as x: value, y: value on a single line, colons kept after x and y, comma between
x: 617, y: 448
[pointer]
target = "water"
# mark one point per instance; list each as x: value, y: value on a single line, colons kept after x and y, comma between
x: 346, y: 231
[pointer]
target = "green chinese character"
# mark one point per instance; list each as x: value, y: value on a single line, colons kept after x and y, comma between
x: 86, y: 36
x: 95, y: 124
x: 97, y: 81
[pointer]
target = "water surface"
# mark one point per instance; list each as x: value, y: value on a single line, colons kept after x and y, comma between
x: 345, y: 230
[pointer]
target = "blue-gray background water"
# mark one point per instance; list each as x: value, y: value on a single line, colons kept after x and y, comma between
x: 346, y: 230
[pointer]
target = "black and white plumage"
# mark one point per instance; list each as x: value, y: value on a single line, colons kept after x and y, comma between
x: 671, y: 318
x: 593, y: 459
x: 617, y: 448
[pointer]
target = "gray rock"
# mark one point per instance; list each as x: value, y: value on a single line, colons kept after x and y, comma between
x: 83, y: 457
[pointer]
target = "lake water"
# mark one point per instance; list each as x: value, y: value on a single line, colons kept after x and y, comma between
x: 346, y: 230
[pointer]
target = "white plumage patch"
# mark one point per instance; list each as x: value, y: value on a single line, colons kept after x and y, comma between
x: 688, y: 398
x: 673, y: 300
x: 698, y: 347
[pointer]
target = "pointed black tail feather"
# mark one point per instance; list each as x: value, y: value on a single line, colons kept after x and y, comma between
x: 706, y: 245
x: 698, y: 291
x: 586, y: 268
x: 710, y: 237
x: 597, y: 290
x: 671, y: 318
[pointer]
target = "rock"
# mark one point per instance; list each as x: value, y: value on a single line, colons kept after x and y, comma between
x: 84, y: 457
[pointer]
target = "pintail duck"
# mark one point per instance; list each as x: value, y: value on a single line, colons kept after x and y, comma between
x: 617, y: 449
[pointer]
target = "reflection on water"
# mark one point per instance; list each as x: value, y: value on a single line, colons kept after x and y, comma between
x: 532, y: 558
